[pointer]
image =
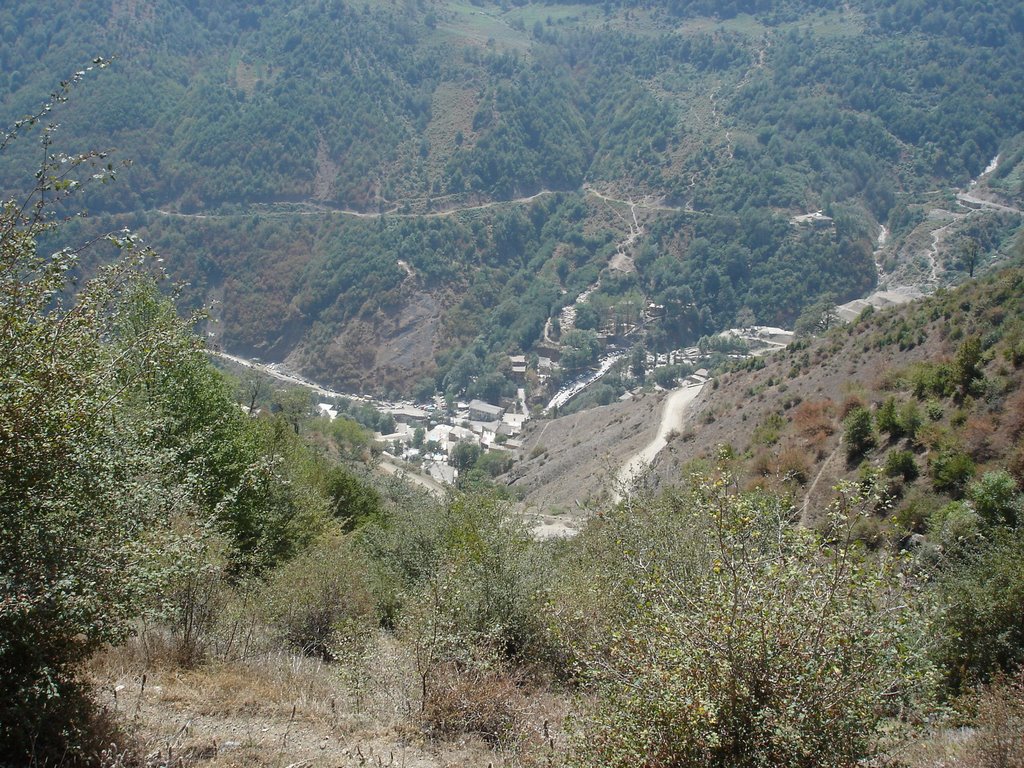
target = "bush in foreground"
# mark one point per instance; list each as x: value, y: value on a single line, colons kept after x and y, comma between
x: 745, y: 640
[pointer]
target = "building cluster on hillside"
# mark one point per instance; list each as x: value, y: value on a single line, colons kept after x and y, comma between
x: 429, y: 435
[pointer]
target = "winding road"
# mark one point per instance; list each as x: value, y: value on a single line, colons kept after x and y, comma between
x: 673, y: 419
x: 316, y: 208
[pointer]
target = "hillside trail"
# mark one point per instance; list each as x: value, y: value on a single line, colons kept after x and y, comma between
x: 805, y: 508
x: 903, y: 292
x: 933, y: 252
x: 318, y: 208
x: 673, y: 419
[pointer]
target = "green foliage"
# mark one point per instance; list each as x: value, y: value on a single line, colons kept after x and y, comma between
x: 265, y: 123
x: 967, y: 364
x: 908, y: 419
x: 858, y: 433
x: 817, y: 318
x: 981, y: 627
x: 886, y: 421
x: 957, y: 528
x: 769, y: 430
x: 465, y: 455
x: 668, y: 376
x: 353, y: 502
x: 74, y: 461
x: 129, y: 479
x: 461, y: 581
x: 901, y: 464
x: 579, y: 349
x: 741, y: 640
x: 320, y: 602
x: 932, y: 380
x: 951, y: 469
x: 996, y: 498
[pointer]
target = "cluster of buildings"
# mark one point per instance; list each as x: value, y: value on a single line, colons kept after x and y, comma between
x: 428, y: 436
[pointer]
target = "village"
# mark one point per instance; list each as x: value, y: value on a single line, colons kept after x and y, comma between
x: 441, y: 438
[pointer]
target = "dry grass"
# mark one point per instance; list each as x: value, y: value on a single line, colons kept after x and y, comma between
x: 995, y: 740
x: 280, y: 710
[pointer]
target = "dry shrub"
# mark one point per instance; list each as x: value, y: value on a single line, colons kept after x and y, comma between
x: 482, y: 701
x: 890, y: 380
x: 1016, y: 463
x: 814, y: 418
x: 1013, y: 415
x: 759, y: 483
x: 850, y: 403
x: 817, y: 445
x: 763, y: 464
x: 794, y: 463
x: 999, y: 738
x: 977, y: 436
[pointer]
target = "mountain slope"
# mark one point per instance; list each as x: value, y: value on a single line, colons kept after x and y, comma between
x: 288, y: 162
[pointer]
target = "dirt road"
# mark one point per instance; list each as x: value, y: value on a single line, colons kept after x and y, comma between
x: 673, y: 418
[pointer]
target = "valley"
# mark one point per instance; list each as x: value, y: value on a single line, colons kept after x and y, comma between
x: 411, y: 382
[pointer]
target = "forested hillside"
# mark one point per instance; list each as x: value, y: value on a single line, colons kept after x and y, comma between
x: 257, y: 134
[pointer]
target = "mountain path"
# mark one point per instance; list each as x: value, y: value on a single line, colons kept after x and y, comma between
x: 673, y: 419
x: 316, y: 208
x: 814, y: 484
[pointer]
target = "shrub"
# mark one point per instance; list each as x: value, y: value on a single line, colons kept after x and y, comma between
x: 978, y: 436
x: 320, y: 602
x: 858, y: 433
x: 478, y: 700
x: 908, y: 418
x: 742, y: 640
x: 901, y: 464
x: 998, y: 738
x: 767, y: 432
x: 951, y: 470
x: 967, y: 365
x: 996, y: 498
x: 956, y: 527
x: 932, y: 380
x: 795, y: 464
x: 813, y: 418
x: 981, y: 626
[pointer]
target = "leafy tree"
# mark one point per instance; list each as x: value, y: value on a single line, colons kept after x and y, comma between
x: 464, y: 456
x: 73, y: 456
x: 817, y: 318
x: 580, y: 349
x: 638, y: 363
x: 969, y: 255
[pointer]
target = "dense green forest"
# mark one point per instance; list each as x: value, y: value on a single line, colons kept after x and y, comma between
x: 251, y: 130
